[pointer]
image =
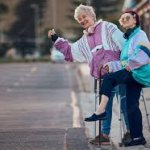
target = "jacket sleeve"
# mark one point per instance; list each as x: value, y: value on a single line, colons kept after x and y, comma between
x: 117, y: 36
x: 69, y: 50
x: 141, y: 50
x: 114, y: 66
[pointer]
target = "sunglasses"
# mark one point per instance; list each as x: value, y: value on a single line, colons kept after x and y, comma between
x: 126, y: 18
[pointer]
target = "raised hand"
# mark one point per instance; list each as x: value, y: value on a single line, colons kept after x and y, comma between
x: 51, y: 32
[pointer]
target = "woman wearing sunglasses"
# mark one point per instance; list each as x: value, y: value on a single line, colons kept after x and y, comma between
x: 133, y: 69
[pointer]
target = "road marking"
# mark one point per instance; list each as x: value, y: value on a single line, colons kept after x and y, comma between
x: 16, y: 84
x: 33, y: 69
x: 76, y: 110
x: 9, y: 90
x: 67, y: 66
x: 22, y: 79
x: 84, y: 68
x: 28, y: 75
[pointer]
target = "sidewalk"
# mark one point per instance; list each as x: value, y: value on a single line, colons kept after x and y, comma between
x: 87, y: 105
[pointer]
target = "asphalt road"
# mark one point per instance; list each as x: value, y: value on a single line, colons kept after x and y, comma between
x: 35, y: 96
x: 37, y: 107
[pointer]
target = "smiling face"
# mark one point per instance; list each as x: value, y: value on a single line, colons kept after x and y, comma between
x: 127, y: 21
x: 85, y: 20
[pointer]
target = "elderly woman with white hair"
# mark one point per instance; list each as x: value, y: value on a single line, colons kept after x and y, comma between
x: 101, y: 43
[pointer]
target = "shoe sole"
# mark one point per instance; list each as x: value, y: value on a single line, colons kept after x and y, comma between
x: 97, y: 142
x: 102, y: 143
x: 142, y: 143
x: 95, y: 120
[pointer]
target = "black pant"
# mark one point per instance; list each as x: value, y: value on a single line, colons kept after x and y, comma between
x: 133, y: 90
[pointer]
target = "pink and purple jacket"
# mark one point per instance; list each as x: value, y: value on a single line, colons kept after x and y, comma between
x: 100, y: 44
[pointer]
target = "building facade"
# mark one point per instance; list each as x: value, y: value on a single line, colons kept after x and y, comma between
x: 143, y: 9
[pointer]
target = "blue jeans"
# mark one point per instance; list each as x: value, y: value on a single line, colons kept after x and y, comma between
x: 106, y: 124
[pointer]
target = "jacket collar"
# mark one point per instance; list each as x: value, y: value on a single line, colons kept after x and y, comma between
x: 91, y: 29
x: 129, y: 32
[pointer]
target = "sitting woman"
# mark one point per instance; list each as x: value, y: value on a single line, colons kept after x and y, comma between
x: 133, y: 69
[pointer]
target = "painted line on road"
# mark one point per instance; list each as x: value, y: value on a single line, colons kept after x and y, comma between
x: 22, y: 79
x: 33, y: 69
x: 16, y: 84
x: 28, y: 75
x: 76, y: 110
x: 9, y: 90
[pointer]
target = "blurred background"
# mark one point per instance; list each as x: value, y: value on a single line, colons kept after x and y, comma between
x: 24, y: 23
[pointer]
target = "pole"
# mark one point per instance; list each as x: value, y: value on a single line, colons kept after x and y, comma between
x: 100, y: 84
x: 36, y: 25
x: 95, y: 91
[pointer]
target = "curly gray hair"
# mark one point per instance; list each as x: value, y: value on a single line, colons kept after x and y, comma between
x: 88, y: 10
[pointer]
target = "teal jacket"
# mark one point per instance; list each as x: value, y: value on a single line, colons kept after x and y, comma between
x: 136, y: 55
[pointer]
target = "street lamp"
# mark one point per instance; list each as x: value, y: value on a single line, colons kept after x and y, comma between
x: 36, y: 25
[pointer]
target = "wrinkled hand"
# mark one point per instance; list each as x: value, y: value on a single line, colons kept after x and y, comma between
x: 51, y: 32
x: 106, y: 67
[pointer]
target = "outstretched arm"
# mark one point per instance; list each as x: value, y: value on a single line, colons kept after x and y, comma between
x: 61, y: 45
x: 69, y: 50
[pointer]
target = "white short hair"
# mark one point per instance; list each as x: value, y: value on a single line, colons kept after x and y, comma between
x: 88, y: 10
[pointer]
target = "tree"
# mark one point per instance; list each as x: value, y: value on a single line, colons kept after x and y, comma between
x: 22, y: 32
x: 3, y: 8
x: 3, y: 46
x: 108, y: 9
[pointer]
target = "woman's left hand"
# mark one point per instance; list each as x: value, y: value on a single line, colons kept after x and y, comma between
x: 106, y: 67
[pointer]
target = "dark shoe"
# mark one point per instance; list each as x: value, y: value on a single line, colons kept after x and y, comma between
x: 126, y: 137
x: 95, y: 117
x: 103, y: 140
x: 136, y: 141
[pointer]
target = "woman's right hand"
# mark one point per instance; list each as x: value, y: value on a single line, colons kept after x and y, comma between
x: 106, y: 67
x: 51, y: 32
